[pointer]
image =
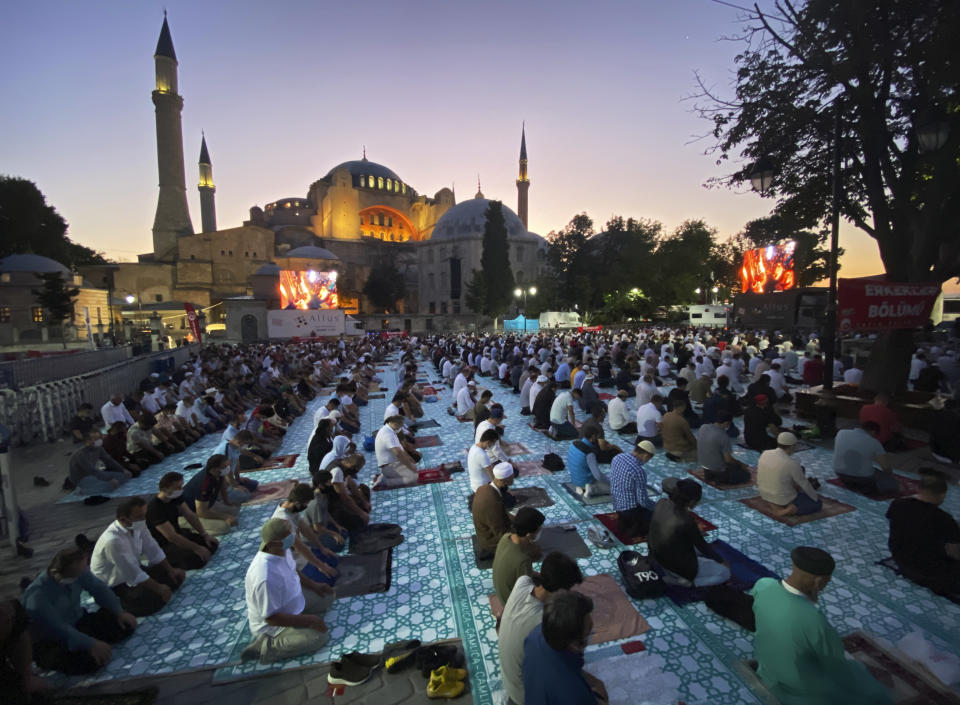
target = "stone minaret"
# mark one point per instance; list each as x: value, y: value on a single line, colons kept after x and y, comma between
x: 208, y: 209
x: 173, y: 216
x: 523, y: 182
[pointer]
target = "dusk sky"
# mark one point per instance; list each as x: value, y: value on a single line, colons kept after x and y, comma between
x: 437, y: 91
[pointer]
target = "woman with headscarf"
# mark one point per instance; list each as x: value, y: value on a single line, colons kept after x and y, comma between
x: 339, y: 449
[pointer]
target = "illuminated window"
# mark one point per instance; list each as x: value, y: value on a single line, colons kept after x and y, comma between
x: 4, y: 314
x: 287, y: 204
x: 404, y: 187
x: 363, y: 180
x: 382, y: 235
x: 37, y: 314
x: 379, y: 182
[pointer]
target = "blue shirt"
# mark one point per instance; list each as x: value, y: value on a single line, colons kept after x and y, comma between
x: 552, y: 677
x: 853, y: 452
x: 54, y: 608
x: 563, y: 373
x: 580, y: 474
x: 628, y: 483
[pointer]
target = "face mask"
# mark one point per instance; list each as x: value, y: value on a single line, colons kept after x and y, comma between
x: 67, y: 581
x: 98, y: 443
x: 176, y: 494
x: 536, y: 536
x: 140, y: 525
x: 288, y: 542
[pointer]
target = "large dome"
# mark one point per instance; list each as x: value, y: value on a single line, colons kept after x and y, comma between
x: 365, y: 167
x: 467, y: 219
x: 36, y: 264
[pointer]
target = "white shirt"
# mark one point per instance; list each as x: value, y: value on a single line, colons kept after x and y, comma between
x: 459, y: 383
x: 495, y: 452
x: 111, y: 414
x: 558, y: 412
x: 777, y: 382
x: 385, y: 440
x: 645, y: 392
x: 520, y: 615
x: 619, y: 414
x: 779, y: 477
x: 663, y: 369
x: 186, y: 412
x: 477, y: 462
x: 391, y: 410
x: 525, y: 392
x: 116, y: 555
x: 272, y: 587
x: 149, y: 403
x: 648, y: 416
x: 464, y: 401
x: 534, y: 391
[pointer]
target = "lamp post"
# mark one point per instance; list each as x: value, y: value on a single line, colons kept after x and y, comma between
x: 518, y: 293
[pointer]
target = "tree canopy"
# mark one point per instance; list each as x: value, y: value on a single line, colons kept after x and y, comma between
x: 385, y: 285
x: 495, y: 263
x: 56, y: 297
x: 29, y: 224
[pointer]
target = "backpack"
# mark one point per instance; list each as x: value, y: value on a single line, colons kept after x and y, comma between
x: 553, y: 462
x: 639, y: 574
x: 369, y: 443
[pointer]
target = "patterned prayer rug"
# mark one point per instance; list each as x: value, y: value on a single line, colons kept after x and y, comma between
x: 609, y: 520
x: 427, y: 442
x: 515, y: 449
x: 831, y: 508
x: 699, y: 474
x: 278, y: 461
x: 564, y: 538
x: 271, y: 492
x: 531, y: 497
x: 587, y: 501
x: 744, y: 573
x: 530, y: 468
x: 906, y: 487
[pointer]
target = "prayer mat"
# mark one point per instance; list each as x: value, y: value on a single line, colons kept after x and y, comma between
x: 588, y: 501
x: 908, y: 684
x: 425, y: 477
x: 907, y: 487
x: 515, y: 449
x: 430, y: 390
x: 564, y: 538
x: 376, y: 538
x: 798, y: 448
x: 376, y: 396
x: 606, y: 396
x: 144, y: 696
x: 644, y: 677
x: 360, y: 574
x: 373, y: 387
x: 482, y: 563
x: 699, y: 474
x: 427, y: 442
x: 278, y: 461
x: 426, y: 423
x: 614, y: 616
x: 531, y: 497
x: 609, y: 520
x: 539, y: 430
x: 892, y: 564
x: 744, y: 573
x: 831, y: 508
x: 530, y: 468
x: 271, y: 492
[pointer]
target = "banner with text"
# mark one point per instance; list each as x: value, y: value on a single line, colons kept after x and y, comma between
x: 874, y: 304
x: 305, y: 324
x: 194, y: 322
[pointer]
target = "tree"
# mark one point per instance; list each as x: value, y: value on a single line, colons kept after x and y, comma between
x: 56, y: 298
x: 475, y: 298
x: 682, y: 263
x: 29, y: 224
x: 384, y: 287
x: 570, y: 260
x: 495, y: 262
x: 883, y: 69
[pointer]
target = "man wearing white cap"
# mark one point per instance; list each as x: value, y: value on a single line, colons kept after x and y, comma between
x: 490, y: 519
x: 782, y: 482
x: 535, y: 390
x: 628, y: 487
x: 466, y: 402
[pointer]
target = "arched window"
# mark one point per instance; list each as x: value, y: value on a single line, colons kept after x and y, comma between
x: 379, y: 182
x: 390, y: 221
x: 403, y: 187
x: 380, y: 218
x: 389, y: 185
x: 363, y: 180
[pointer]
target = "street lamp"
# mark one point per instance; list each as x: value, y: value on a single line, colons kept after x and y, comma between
x: 761, y: 174
x: 130, y: 298
x: 932, y: 131
x: 517, y: 293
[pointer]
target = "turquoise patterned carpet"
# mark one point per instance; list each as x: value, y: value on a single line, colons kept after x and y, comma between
x: 437, y: 592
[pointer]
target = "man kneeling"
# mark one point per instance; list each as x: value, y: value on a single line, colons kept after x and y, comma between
x: 284, y: 608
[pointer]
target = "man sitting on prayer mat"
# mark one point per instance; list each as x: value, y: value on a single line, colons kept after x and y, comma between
x: 490, y: 518
x: 924, y: 539
x: 582, y: 464
x: 562, y: 416
x: 678, y: 439
x: 553, y: 655
x: 479, y: 463
x: 800, y: 656
x: 628, y: 486
x: 397, y: 467
x: 517, y: 551
x: 284, y: 608
x: 855, y: 450
x: 168, y: 517
x: 781, y: 480
x: 715, y: 452
x: 307, y: 545
x: 524, y: 610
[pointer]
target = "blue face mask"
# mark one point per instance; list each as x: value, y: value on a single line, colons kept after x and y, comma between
x: 288, y: 542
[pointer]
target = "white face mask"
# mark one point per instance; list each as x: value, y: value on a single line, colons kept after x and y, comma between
x: 176, y: 494
x: 67, y: 581
x: 98, y: 443
x: 140, y: 525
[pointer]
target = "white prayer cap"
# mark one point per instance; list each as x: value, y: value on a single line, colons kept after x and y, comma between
x: 542, y: 378
x: 502, y: 471
x: 211, y: 390
x: 154, y: 374
x: 471, y: 383
x: 786, y: 439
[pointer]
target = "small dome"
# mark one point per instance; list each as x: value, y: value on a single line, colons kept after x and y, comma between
x: 311, y: 252
x: 37, y: 264
x: 360, y: 167
x: 268, y: 270
x: 467, y: 219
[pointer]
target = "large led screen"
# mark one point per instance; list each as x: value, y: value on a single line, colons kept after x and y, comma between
x: 768, y: 269
x: 308, y: 290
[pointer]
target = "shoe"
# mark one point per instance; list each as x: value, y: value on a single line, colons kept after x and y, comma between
x: 588, y: 490
x: 430, y: 658
x: 365, y: 660
x: 450, y: 673
x: 252, y: 652
x: 444, y: 688
x: 84, y: 543
x: 401, y: 661
x: 96, y: 499
x: 600, y: 538
x: 581, y: 491
x: 23, y: 550
x: 348, y: 673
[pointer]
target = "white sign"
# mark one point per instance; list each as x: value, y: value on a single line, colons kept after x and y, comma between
x: 304, y: 324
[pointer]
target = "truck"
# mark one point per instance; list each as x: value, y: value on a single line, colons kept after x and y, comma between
x: 560, y: 319
x: 802, y: 308
x: 709, y: 315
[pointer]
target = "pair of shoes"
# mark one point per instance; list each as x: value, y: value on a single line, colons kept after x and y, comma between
x: 403, y: 658
x: 600, y: 538
x: 446, y: 682
x: 352, y: 669
x: 430, y: 658
x: 581, y: 491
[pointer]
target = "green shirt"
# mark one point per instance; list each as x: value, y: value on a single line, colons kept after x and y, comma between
x: 509, y: 563
x: 801, y: 657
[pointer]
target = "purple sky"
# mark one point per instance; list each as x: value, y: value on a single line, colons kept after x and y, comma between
x: 436, y: 91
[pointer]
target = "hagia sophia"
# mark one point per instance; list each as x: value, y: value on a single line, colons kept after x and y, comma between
x: 358, y: 212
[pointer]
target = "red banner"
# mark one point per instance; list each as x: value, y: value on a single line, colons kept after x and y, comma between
x: 194, y: 321
x: 589, y: 329
x: 871, y: 303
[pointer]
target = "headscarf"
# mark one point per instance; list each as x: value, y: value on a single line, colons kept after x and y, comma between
x: 340, y: 445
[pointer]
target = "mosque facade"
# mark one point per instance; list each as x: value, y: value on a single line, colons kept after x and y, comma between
x: 349, y: 219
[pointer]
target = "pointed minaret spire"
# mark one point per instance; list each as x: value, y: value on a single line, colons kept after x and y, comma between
x: 364, y: 152
x: 479, y: 192
x: 173, y: 216
x: 523, y: 181
x: 208, y: 209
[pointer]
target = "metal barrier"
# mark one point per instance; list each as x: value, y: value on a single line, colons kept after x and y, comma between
x: 34, y: 370
x: 41, y: 412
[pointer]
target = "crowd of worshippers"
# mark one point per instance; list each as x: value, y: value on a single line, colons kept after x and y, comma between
x: 136, y: 564
x: 292, y: 580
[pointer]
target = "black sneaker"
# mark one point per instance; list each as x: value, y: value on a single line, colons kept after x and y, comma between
x: 348, y: 673
x: 365, y: 660
x: 400, y: 661
x: 95, y: 500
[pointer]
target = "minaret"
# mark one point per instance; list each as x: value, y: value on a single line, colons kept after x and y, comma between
x: 208, y: 209
x: 523, y: 183
x: 173, y: 216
